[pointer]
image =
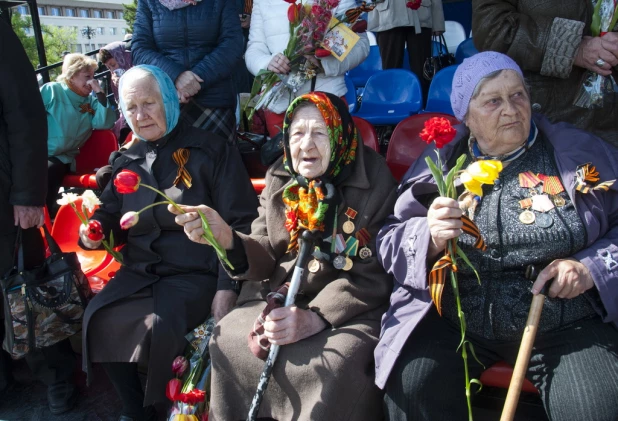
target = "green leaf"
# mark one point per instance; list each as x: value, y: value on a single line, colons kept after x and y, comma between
x: 471, y: 349
x: 437, y: 175
x: 463, y: 256
x: 476, y: 381
x: 208, y: 235
x: 595, y: 26
x: 111, y: 239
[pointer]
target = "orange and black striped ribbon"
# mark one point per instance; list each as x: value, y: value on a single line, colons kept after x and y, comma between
x: 437, y: 278
x: 353, y: 14
x: 86, y: 108
x: 470, y: 227
x: 528, y: 179
x: 181, y: 157
x: 586, y: 176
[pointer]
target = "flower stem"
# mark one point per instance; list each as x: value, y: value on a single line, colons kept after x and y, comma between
x: 171, y: 202
x: 152, y: 205
x: 81, y: 217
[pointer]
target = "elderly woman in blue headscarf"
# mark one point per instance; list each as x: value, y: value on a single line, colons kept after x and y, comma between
x: 167, y: 284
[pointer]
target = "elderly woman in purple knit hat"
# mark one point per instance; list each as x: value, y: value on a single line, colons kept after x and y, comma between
x: 548, y: 208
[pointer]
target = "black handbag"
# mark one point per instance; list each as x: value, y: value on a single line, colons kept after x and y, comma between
x: 435, y: 63
x: 44, y: 305
x: 250, y: 145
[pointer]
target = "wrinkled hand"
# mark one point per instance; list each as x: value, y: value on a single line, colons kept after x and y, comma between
x: 223, y: 303
x: 286, y: 325
x: 279, y: 64
x: 593, y: 48
x: 192, y: 223
x: 571, y: 278
x: 28, y: 216
x: 115, y: 79
x: 245, y: 23
x: 187, y: 84
x: 313, y: 60
x: 83, y: 235
x: 443, y: 218
x: 94, y: 84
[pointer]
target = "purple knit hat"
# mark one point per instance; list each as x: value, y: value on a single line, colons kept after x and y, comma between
x: 471, y: 71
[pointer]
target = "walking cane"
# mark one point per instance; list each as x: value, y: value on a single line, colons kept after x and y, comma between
x: 525, y: 349
x: 307, y: 241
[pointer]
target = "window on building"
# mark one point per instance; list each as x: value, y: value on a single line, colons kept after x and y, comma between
x: 23, y: 10
x: 100, y: 30
x: 76, y: 48
x: 120, y: 15
x: 124, y: 31
x: 101, y: 46
x: 112, y: 31
x: 109, y: 14
x: 97, y: 14
x: 69, y: 12
x: 41, y: 11
x: 55, y: 11
x: 84, y: 13
x: 74, y: 28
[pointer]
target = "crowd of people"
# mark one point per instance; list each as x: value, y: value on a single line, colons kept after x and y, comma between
x: 363, y: 340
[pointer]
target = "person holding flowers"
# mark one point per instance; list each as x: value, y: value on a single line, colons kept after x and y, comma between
x: 166, y: 284
x: 330, y: 183
x: 268, y: 39
x: 554, y: 204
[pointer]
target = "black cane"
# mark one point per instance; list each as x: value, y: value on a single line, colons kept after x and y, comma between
x: 307, y: 241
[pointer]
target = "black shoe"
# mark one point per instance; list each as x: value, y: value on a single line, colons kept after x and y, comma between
x: 61, y: 397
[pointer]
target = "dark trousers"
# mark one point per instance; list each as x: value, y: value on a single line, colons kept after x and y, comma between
x: 392, y: 44
x: 575, y: 370
x: 56, y: 170
x: 49, y: 365
x: 125, y: 378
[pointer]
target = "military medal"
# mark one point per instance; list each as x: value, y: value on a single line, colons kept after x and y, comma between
x: 351, y: 247
x: 544, y: 220
x: 348, y: 226
x: 558, y: 201
x: 542, y: 203
x: 348, y: 264
x: 363, y: 238
x: 314, y: 266
x: 527, y: 216
x: 553, y: 187
x: 339, y: 262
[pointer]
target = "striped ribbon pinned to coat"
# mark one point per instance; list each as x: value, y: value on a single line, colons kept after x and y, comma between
x: 181, y: 157
x: 353, y: 14
x: 437, y: 276
x: 587, y: 178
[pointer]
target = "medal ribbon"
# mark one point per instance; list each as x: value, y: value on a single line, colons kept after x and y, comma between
x: 525, y: 203
x: 552, y: 185
x: 528, y: 179
x: 86, y: 108
x: 181, y: 157
x: 351, y: 247
x: 351, y: 213
x: 363, y: 237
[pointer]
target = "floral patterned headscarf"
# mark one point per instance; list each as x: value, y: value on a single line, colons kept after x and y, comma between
x: 311, y: 204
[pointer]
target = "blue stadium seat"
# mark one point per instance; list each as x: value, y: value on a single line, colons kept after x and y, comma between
x: 350, y: 96
x: 390, y: 96
x: 439, y: 96
x: 371, y: 65
x: 465, y: 50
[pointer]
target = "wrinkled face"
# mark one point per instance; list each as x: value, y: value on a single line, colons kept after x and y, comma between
x: 79, y: 79
x: 144, y: 108
x: 309, y: 143
x: 499, y: 116
x: 111, y: 64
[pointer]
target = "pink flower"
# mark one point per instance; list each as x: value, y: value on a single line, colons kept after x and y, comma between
x: 128, y: 220
x: 179, y: 366
x: 317, y: 10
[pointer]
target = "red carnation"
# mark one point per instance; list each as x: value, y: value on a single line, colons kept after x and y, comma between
x: 127, y: 182
x: 193, y: 397
x: 291, y: 221
x: 438, y: 130
x: 414, y: 4
x: 95, y: 230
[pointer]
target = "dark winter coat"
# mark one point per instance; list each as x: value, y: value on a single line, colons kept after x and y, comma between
x: 543, y: 38
x: 205, y: 39
x: 184, y: 275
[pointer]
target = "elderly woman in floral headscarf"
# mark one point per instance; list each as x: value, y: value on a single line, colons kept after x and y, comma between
x: 167, y: 284
x: 328, y: 182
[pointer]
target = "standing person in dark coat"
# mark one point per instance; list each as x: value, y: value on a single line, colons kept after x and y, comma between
x: 198, y: 46
x: 167, y: 283
x: 23, y: 187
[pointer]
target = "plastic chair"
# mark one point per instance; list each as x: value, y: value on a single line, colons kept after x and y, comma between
x: 370, y: 66
x: 367, y: 133
x: 372, y: 38
x: 93, y: 155
x: 66, y: 233
x: 258, y: 184
x: 454, y: 35
x: 405, y: 145
x: 350, y: 95
x: 466, y: 49
x: 390, y: 96
x: 439, y: 96
x: 499, y: 375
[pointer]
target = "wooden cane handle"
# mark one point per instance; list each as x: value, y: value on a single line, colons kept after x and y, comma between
x: 523, y: 357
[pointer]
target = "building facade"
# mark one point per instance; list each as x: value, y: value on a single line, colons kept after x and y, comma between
x: 96, y: 23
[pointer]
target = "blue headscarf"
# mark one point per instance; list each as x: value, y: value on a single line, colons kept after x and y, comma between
x: 168, y: 94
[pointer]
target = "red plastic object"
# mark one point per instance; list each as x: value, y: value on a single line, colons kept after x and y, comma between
x: 66, y: 233
x: 499, y: 375
x: 258, y: 184
x: 405, y: 145
x: 93, y: 155
x: 367, y: 133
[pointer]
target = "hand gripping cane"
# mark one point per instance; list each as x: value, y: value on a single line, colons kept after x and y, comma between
x: 307, y: 241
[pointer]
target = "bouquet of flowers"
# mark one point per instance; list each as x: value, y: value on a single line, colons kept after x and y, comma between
x: 95, y: 230
x: 439, y: 131
x: 188, y: 389
x: 596, y: 90
x: 128, y: 182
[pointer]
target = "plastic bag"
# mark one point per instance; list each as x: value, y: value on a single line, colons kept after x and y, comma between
x: 596, y: 91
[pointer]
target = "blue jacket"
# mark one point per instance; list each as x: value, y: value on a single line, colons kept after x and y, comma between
x: 206, y: 39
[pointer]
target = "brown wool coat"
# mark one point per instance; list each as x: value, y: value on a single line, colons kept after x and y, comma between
x: 328, y: 376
